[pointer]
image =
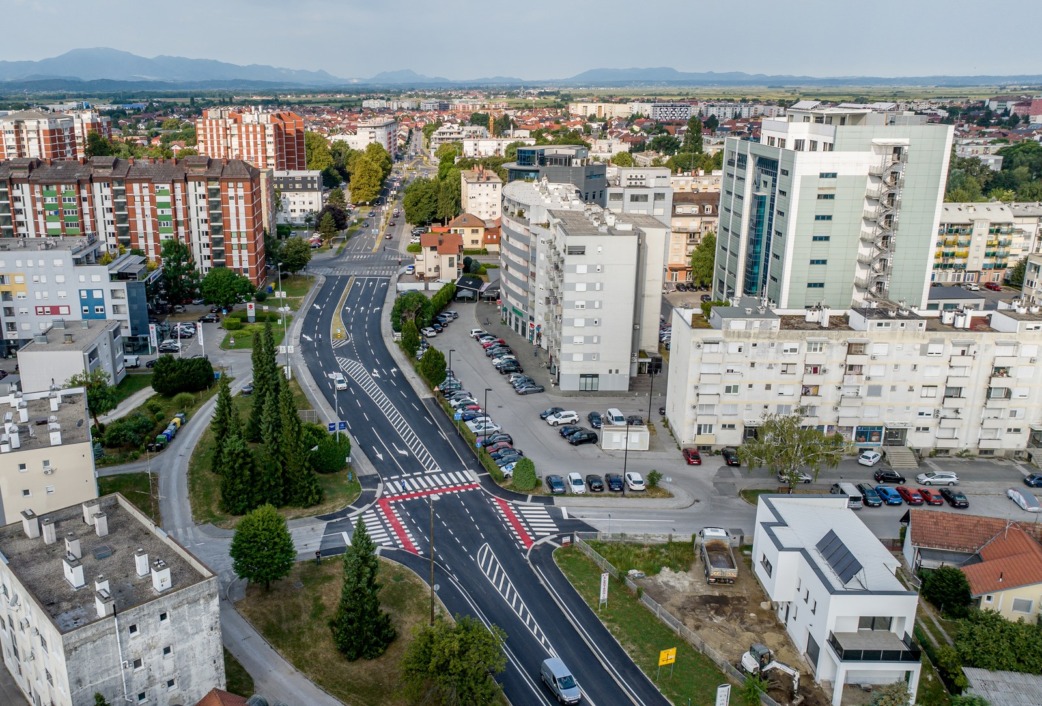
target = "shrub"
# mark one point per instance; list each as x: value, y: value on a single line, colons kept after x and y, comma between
x: 653, y: 479
x: 413, y: 248
x: 948, y: 589
x: 331, y: 455
x: 261, y: 295
x: 173, y: 375
x: 183, y: 400
x: 231, y: 324
x: 524, y: 475
x: 132, y: 430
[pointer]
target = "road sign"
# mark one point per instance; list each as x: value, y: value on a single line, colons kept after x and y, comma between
x: 342, y: 426
x: 667, y: 656
x: 331, y: 426
x: 604, y: 589
x: 723, y: 695
x: 251, y: 312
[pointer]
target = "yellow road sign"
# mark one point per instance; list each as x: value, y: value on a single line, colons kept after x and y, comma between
x: 667, y: 656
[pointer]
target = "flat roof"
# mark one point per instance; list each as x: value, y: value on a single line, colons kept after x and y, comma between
x: 70, y: 335
x: 39, y: 565
x: 952, y: 292
x: 73, y: 243
x: 35, y: 433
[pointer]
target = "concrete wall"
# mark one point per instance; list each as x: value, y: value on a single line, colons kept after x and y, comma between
x: 70, y: 481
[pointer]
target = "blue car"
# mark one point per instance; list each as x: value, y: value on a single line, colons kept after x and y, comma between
x: 888, y: 495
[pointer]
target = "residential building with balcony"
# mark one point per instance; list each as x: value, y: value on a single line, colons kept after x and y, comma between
x: 97, y: 599
x: 380, y: 131
x: 695, y: 214
x: 600, y: 110
x: 672, y: 112
x: 46, y: 135
x: 46, y: 455
x: 697, y: 182
x: 977, y: 242
x: 265, y: 139
x: 1032, y: 289
x: 481, y: 193
x: 835, y: 589
x: 299, y: 195
x: 440, y: 257
x: 641, y: 190
x: 451, y: 132
x: 834, y: 206
x: 958, y: 381
x: 478, y: 147
x: 561, y: 164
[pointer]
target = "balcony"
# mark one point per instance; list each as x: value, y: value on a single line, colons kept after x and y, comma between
x: 874, y: 646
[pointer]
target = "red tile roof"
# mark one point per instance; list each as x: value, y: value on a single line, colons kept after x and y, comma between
x: 216, y: 697
x: 447, y: 243
x: 1010, y: 560
x: 467, y: 220
x: 958, y: 532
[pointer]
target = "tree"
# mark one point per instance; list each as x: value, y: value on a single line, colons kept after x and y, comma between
x: 666, y: 144
x: 339, y: 216
x: 99, y: 700
x: 989, y: 641
x: 361, y: 629
x: 751, y: 689
x: 223, y: 424
x: 296, y: 254
x: 449, y: 199
x: 411, y: 306
x: 376, y: 154
x: 432, y: 366
x: 693, y: 136
x: 101, y: 396
x: 785, y: 447
x: 712, y: 123
x: 410, y: 338
x: 172, y: 375
x: 455, y: 664
x: 265, y: 380
x: 895, y: 694
x: 270, y: 480
x: 262, y: 549
x: 300, y: 486
x: 330, y: 454
x: 622, y: 159
x: 366, y: 180
x: 524, y: 474
x: 179, y: 273
x: 336, y: 197
x: 1016, y: 273
x: 947, y: 588
x: 224, y: 288
x: 327, y: 227
x: 420, y: 201
x: 238, y: 475
x: 968, y: 700
x: 703, y: 260
x: 317, y: 150
x: 98, y: 145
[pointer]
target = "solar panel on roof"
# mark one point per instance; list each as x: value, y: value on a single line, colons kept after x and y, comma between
x: 842, y: 561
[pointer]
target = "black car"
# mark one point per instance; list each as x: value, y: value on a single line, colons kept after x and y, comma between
x: 151, y: 363
x: 730, y: 457
x: 614, y: 482
x: 569, y: 429
x: 635, y: 420
x: 869, y: 496
x: 595, y: 419
x: 555, y: 484
x: 955, y: 498
x: 582, y: 437
x: 552, y: 410
x: 530, y: 389
x: 594, y: 483
x: 1033, y: 480
x: 248, y: 389
x: 495, y: 439
x: 510, y: 368
x: 888, y: 475
x: 209, y: 318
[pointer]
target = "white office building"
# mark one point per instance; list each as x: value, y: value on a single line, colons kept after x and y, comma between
x: 834, y: 588
x: 644, y: 190
x: 380, y: 131
x: 298, y: 195
x: 834, y: 205
x: 481, y: 193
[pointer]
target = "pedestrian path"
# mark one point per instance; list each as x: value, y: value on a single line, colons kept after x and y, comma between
x: 128, y: 405
x: 405, y: 487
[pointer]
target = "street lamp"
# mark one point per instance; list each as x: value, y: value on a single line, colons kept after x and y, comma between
x: 451, y: 351
x: 484, y: 407
x: 336, y: 405
x: 433, y: 498
x: 625, y: 456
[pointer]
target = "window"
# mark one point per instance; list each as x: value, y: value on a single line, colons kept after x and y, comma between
x: 26, y: 493
x: 819, y: 262
x: 826, y: 197
x: 21, y: 468
x: 730, y: 389
x: 701, y: 429
x: 821, y: 238
x: 138, y: 664
x: 171, y: 684
x: 142, y: 697
x: 815, y: 285
x: 870, y: 622
x: 132, y: 629
x: 167, y: 651
x: 1022, y: 605
x: 823, y: 217
x: 816, y: 347
x: 827, y: 175
x: 766, y: 564
x: 929, y: 391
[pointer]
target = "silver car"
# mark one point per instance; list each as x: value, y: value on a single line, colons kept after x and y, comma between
x: 1024, y: 499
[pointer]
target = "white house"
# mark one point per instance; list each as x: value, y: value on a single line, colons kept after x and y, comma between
x: 833, y: 586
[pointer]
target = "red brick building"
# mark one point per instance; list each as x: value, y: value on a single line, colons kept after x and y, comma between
x: 267, y: 140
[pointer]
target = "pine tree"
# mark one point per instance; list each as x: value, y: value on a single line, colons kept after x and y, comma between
x: 301, y: 485
x: 221, y: 424
x: 261, y: 385
x: 270, y: 481
x: 361, y: 630
x: 238, y: 482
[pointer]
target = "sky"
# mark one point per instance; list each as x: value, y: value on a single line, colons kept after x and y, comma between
x: 541, y: 39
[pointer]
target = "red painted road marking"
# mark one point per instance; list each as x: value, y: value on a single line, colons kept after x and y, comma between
x: 516, y: 523
x: 396, y: 525
x: 434, y: 491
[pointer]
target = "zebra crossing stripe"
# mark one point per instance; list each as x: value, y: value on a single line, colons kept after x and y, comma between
x: 493, y: 571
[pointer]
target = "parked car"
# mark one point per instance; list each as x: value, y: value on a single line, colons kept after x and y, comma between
x: 692, y: 457
x: 483, y: 426
x: 428, y: 332
x: 937, y: 478
x: 635, y: 420
x: 869, y: 457
x: 931, y: 497
x: 505, y: 458
x: 730, y: 456
x: 472, y: 414
x: 634, y: 481
x: 510, y: 367
x: 869, y: 496
x: 169, y: 346
x: 562, y: 417
x: 1033, y: 480
x: 584, y: 436
x: 475, y: 332
x: 530, y: 389
x: 594, y: 418
x: 569, y: 429
x: 555, y: 484
x: 993, y: 286
x: 576, y: 486
x: 909, y: 495
x: 1027, y: 501
x: 494, y: 438
x: 209, y: 318
x: 801, y: 477
x: 955, y: 498
x: 594, y: 483
x: 972, y: 286
x: 888, y: 495
x: 486, y: 344
x: 887, y: 475
x: 548, y: 412
x: 247, y: 389
x: 614, y: 482
x: 498, y: 446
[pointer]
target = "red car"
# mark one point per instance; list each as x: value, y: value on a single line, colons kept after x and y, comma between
x: 692, y: 457
x: 499, y: 446
x: 488, y: 344
x: 909, y: 495
x: 931, y: 497
x: 993, y: 286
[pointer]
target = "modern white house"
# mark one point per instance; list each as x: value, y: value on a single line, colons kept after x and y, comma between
x: 834, y: 588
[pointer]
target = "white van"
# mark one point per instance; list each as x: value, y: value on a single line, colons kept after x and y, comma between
x: 854, y: 499
x: 560, y: 681
x: 131, y: 361
x: 615, y: 416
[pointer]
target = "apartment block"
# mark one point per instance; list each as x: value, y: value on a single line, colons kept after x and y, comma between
x: 478, y: 147
x: 644, y: 190
x: 380, y: 131
x: 450, y: 132
x: 1032, y: 290
x: 481, y: 193
x: 34, y: 133
x: 299, y: 195
x: 265, y: 139
x: 671, y: 112
x: 70, y: 348
x: 961, y: 380
x: 600, y: 110
x: 561, y: 164
x: 695, y: 215
x: 46, y: 455
x: 835, y: 589
x: 834, y: 206
x: 98, y: 599
x: 977, y: 242
x: 218, y: 207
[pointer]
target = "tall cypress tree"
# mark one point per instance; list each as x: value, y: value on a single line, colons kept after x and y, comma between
x: 270, y: 483
x: 222, y: 423
x: 238, y: 482
x: 301, y: 485
x: 361, y: 630
x: 261, y: 385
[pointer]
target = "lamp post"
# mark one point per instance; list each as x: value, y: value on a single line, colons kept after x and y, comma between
x: 625, y: 456
x: 282, y: 311
x: 451, y: 351
x: 484, y: 407
x: 433, y: 497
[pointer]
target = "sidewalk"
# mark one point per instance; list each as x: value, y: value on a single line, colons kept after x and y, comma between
x: 126, y: 406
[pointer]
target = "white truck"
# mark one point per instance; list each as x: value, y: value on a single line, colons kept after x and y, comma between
x: 717, y: 558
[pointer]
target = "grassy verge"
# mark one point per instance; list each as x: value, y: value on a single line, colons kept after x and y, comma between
x: 695, y: 678
x: 133, y: 382
x: 135, y: 488
x: 293, y: 616
x: 649, y: 558
x: 243, y: 338
x: 239, y: 680
x: 204, y: 486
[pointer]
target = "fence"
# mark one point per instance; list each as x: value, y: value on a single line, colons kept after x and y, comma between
x: 661, y: 613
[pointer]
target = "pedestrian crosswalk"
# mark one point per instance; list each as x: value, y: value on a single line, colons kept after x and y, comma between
x: 526, y: 522
x: 537, y: 518
x: 427, y: 483
x: 375, y: 527
x: 384, y: 525
x: 495, y: 574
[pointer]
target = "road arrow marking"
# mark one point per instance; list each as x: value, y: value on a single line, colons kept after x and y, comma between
x: 400, y: 452
x: 379, y: 455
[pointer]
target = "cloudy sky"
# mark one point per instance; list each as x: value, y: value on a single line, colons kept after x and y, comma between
x: 533, y: 39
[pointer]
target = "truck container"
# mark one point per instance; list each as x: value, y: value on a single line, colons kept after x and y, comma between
x: 717, y: 557
x: 182, y: 416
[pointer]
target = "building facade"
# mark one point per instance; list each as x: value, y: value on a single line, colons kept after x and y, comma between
x: 695, y: 215
x: 70, y: 348
x: 671, y: 112
x: 470, y: 229
x: 977, y: 242
x: 380, y: 131
x: 265, y: 139
x: 834, y: 205
x: 98, y: 599
x: 299, y: 195
x: 644, y: 190
x: 218, y: 207
x: 451, y: 132
x: 478, y: 147
x: 440, y: 256
x: 561, y: 164
x: 44, y: 467
x: 878, y: 376
x: 34, y: 133
x: 481, y: 193
x: 835, y: 590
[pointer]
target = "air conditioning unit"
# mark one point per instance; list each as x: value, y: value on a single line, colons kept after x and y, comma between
x: 48, y: 471
x: 874, y: 357
x: 1033, y: 360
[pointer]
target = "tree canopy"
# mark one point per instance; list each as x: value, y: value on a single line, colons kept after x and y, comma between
x: 262, y: 549
x: 622, y: 159
x: 223, y: 287
x: 295, y: 254
x: 318, y: 155
x: 366, y: 180
x: 949, y: 591
x: 179, y: 272
x: 455, y: 664
x: 987, y: 640
x: 786, y: 447
x: 101, y: 395
x: 703, y: 260
x: 361, y: 628
x: 420, y: 201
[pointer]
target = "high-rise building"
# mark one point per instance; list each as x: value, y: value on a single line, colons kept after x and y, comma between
x: 300, y: 195
x: 561, y: 164
x: 380, y: 131
x: 34, y: 133
x: 265, y: 139
x: 978, y: 242
x: 218, y: 207
x: 481, y: 193
x: 96, y: 599
x: 641, y: 190
x: 834, y: 205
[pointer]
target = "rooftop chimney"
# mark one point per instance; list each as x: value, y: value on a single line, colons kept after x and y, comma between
x: 141, y: 562
x: 104, y: 603
x: 73, y: 571
x: 49, y: 534
x: 90, y: 508
x: 101, y: 524
x: 101, y: 583
x: 31, y: 524
x: 160, y: 576
x: 72, y: 545
x: 67, y: 338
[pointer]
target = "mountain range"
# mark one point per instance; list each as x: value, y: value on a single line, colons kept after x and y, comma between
x: 107, y: 70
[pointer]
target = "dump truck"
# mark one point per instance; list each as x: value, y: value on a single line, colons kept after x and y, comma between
x: 717, y: 558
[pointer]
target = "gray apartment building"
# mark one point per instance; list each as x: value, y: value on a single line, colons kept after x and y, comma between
x: 646, y: 190
x: 561, y: 164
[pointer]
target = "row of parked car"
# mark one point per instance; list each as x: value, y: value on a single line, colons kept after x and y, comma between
x: 575, y: 484
x: 505, y: 361
x: 440, y: 323
x: 492, y: 440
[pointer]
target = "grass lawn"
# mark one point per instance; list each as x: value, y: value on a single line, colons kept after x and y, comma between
x: 133, y: 382
x: 204, y: 486
x: 243, y: 338
x: 694, y: 679
x: 293, y: 616
x: 135, y: 488
x: 650, y: 558
x: 239, y: 680
x: 931, y: 688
